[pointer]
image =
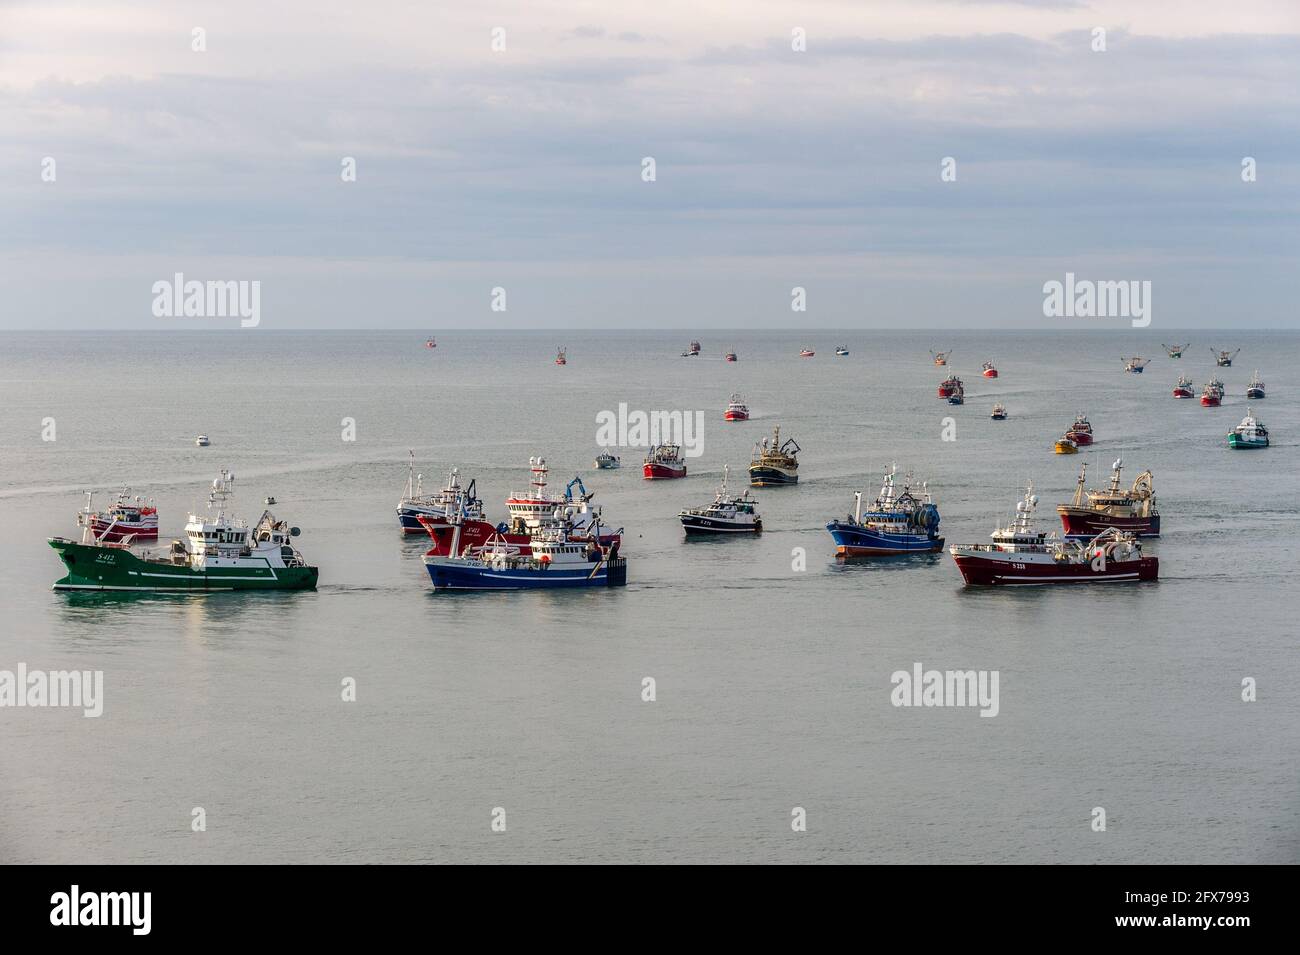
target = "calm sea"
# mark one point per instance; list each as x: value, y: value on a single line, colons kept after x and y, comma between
x: 772, y: 684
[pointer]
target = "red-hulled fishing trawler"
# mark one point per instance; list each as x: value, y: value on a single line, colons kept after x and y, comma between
x: 664, y: 462
x: 737, y: 410
x: 988, y: 371
x: 1184, y: 388
x: 1022, y: 555
x: 1132, y: 511
x: 127, y: 520
x: 950, y: 386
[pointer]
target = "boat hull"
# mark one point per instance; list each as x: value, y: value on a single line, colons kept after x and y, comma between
x: 1062, y: 448
x: 120, y: 531
x: 696, y: 524
x: 663, y: 472
x: 1238, y: 443
x: 854, y: 540
x: 1183, y: 393
x: 761, y: 475
x: 1255, y: 394
x: 1081, y: 522
x: 114, y: 568
x: 990, y: 373
x: 459, y: 575
x: 989, y: 572
x: 1210, y: 401
x: 1081, y: 438
x: 735, y: 416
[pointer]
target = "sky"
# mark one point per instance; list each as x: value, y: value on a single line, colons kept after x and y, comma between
x: 523, y: 168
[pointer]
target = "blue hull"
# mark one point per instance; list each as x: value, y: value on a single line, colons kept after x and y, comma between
x: 474, y: 577
x: 854, y: 540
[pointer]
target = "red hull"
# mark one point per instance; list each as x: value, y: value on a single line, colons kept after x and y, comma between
x: 1079, y: 437
x: 735, y: 416
x: 477, y: 533
x: 1210, y: 402
x: 1183, y: 393
x: 662, y: 472
x: 981, y: 571
x: 121, y: 532
x: 1090, y: 525
x: 990, y: 373
x: 946, y: 392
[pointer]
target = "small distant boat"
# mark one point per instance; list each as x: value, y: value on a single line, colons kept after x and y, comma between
x: 269, y: 501
x: 1066, y: 445
x: 608, y: 462
x: 1212, y: 395
x: 957, y: 396
x: 127, y: 520
x: 1174, y: 351
x: 561, y: 358
x: 1022, y: 555
x: 776, y: 463
x: 1080, y: 432
x: 940, y: 357
x: 1248, y: 435
x: 430, y: 343
x: 949, y: 386
x: 693, y: 351
x: 1184, y: 388
x: 737, y: 410
x: 664, y: 462
x: 841, y: 350
x: 999, y: 413
x: 202, y: 441
x: 988, y: 371
x: 730, y: 356
x: 1224, y: 358
x: 1255, y: 390
x: 1135, y: 366
x: 905, y: 522
x: 806, y: 353
x: 726, y: 515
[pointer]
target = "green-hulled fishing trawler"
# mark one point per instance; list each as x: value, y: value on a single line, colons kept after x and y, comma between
x: 217, y: 553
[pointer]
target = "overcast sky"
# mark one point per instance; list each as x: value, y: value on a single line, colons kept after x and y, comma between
x: 775, y: 168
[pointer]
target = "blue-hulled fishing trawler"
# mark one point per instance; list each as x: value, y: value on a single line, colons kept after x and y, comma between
x: 899, y: 522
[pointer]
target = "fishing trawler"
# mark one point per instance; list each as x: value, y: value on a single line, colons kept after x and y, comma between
x: 940, y: 357
x: 999, y: 412
x: 737, y: 410
x: 988, y: 371
x: 841, y: 351
x: 202, y: 441
x: 608, y: 462
x: 950, y: 385
x: 1184, y: 388
x: 218, y: 552
x: 1081, y: 431
x: 776, y: 463
x: 559, y: 557
x: 416, y: 504
x: 561, y: 357
x: 899, y: 522
x: 1174, y: 351
x: 1132, y: 511
x: 730, y: 356
x: 1065, y: 445
x: 126, y: 520
x: 1249, y: 434
x: 958, y: 394
x: 1224, y: 358
x: 1135, y: 366
x: 1212, y: 395
x: 726, y: 515
x: 806, y: 353
x: 1022, y: 555
x: 664, y: 462
x: 1255, y: 388
x: 430, y: 343
x: 693, y: 351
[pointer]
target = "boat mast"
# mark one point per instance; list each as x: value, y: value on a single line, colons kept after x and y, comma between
x: 1078, y: 490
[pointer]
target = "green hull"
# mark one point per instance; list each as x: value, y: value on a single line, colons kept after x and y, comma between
x: 1236, y: 443
x: 116, y: 568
